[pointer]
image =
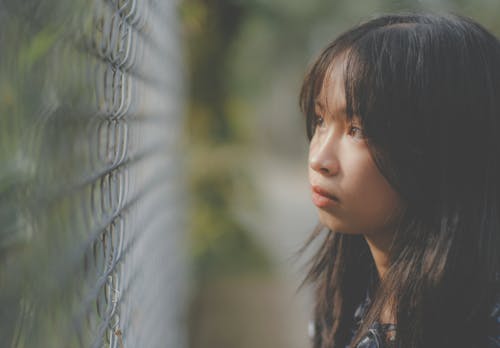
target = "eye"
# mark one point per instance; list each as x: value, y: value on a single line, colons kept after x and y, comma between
x: 356, y: 132
x: 318, y: 121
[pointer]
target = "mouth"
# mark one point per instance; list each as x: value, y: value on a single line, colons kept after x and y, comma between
x: 322, y: 198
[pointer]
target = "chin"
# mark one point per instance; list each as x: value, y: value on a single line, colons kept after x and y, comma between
x: 335, y: 224
x: 330, y: 222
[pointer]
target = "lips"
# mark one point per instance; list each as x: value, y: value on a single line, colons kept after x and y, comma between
x: 324, y: 193
x: 322, y: 198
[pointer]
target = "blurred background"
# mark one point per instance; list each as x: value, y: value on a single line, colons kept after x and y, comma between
x: 250, y: 207
x: 153, y: 178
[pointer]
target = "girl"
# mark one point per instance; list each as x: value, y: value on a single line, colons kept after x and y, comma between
x: 403, y: 117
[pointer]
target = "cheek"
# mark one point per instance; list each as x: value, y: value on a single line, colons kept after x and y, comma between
x: 374, y: 200
x: 381, y: 207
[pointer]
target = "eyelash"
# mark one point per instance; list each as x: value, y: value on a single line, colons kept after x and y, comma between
x: 360, y: 131
x: 319, y: 120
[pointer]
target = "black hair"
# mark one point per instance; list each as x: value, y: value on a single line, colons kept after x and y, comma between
x: 426, y: 89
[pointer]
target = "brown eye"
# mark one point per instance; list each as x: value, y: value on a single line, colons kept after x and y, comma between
x: 356, y: 132
x: 318, y: 121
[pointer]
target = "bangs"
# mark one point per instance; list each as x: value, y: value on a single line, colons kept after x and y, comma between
x: 313, y: 83
x: 356, y: 77
x: 379, y: 79
x: 385, y: 82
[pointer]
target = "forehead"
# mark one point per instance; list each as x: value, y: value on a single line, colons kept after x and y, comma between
x: 331, y: 97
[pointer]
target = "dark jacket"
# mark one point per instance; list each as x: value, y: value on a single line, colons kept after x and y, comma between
x: 382, y: 335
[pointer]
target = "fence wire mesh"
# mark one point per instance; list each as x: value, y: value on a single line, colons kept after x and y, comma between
x: 91, y: 245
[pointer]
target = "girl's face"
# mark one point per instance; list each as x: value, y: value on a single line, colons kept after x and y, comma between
x: 350, y: 193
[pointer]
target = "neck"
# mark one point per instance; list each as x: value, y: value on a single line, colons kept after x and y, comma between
x: 380, y: 245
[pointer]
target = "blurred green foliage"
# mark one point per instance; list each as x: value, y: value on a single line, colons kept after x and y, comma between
x: 217, y: 180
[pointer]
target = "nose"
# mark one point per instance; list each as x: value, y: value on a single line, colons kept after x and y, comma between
x: 323, y: 157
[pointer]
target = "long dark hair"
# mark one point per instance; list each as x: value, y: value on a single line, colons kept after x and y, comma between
x: 426, y: 88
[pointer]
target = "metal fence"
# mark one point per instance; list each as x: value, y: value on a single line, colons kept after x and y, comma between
x: 91, y: 242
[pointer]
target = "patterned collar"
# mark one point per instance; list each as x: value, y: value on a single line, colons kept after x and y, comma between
x: 379, y: 335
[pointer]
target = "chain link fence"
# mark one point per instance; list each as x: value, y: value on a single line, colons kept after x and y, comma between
x: 91, y: 206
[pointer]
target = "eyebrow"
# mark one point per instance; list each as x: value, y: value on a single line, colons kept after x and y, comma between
x: 319, y: 104
x: 341, y: 111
